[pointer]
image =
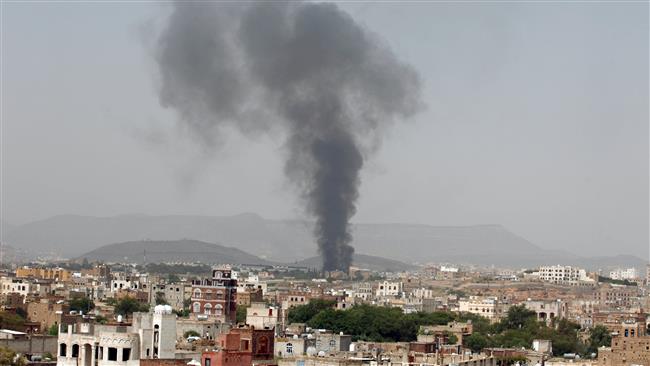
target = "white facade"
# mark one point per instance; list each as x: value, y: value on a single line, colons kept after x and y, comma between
x: 15, y: 285
x: 389, y: 289
x: 487, y: 307
x: 150, y: 336
x: 562, y: 274
x: 624, y: 274
x: 262, y: 316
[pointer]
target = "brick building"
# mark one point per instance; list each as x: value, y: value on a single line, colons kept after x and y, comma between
x: 240, y: 347
x: 216, y: 297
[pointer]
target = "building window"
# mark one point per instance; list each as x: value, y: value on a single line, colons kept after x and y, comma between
x: 196, y: 307
x: 218, y: 310
x: 332, y: 343
x: 62, y: 349
x: 75, y: 350
x: 126, y: 353
x: 207, y: 362
x: 207, y: 309
x: 197, y: 293
x: 112, y: 354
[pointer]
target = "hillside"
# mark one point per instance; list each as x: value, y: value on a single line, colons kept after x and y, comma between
x: 172, y: 251
x: 365, y: 262
x: 289, y: 241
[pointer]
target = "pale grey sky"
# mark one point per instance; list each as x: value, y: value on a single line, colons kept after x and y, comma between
x: 536, y: 119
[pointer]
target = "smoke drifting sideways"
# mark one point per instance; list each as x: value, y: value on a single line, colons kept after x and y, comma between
x: 305, y: 68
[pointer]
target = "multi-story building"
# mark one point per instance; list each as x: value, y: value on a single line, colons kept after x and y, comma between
x: 564, y: 275
x: 261, y: 316
x: 547, y: 310
x: 624, y: 274
x: 615, y: 296
x: 216, y: 297
x: 173, y: 294
x: 487, y: 307
x: 150, y: 336
x: 387, y: 289
x: 56, y: 274
x: 626, y: 351
x: 20, y: 286
x: 241, y: 346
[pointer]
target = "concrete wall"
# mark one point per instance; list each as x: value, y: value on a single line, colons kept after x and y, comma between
x: 36, y: 345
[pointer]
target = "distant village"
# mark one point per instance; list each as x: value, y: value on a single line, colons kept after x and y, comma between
x: 173, y: 314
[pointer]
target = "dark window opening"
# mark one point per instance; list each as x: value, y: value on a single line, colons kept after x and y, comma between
x: 126, y: 353
x: 112, y: 354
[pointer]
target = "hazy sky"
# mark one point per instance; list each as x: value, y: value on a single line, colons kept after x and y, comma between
x: 536, y: 119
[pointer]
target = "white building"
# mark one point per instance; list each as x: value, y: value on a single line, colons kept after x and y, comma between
x: 565, y: 275
x: 387, y: 288
x: 15, y: 285
x: 487, y: 307
x: 263, y: 316
x: 150, y: 336
x: 624, y: 274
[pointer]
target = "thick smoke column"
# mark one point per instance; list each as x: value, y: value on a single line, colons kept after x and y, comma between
x: 304, y: 67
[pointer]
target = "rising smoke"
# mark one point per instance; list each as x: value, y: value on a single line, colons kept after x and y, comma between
x: 307, y: 68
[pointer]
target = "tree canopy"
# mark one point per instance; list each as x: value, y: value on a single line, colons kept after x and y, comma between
x: 517, y: 329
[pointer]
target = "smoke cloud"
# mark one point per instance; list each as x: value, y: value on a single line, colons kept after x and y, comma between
x: 307, y: 69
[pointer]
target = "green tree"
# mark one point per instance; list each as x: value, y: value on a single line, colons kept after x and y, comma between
x: 81, y: 303
x: 11, y: 321
x: 599, y: 336
x: 191, y: 333
x: 9, y: 358
x: 160, y: 298
x: 451, y: 337
x: 128, y: 305
x: 54, y: 330
x: 241, y: 314
x: 302, y: 313
x: 517, y: 317
x: 476, y: 342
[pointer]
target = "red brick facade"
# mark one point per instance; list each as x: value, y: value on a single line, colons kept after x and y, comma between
x: 216, y: 297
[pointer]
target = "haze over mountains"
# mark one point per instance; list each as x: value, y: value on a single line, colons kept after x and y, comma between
x: 289, y: 241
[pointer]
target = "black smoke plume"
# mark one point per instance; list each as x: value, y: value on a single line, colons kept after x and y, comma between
x: 307, y: 68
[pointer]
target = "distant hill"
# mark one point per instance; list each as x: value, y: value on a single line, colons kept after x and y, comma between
x: 172, y: 251
x: 365, y: 262
x: 289, y: 241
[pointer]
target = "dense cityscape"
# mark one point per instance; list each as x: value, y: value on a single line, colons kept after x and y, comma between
x: 83, y: 313
x: 324, y: 183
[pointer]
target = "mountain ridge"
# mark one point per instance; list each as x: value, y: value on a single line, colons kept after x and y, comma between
x: 291, y: 240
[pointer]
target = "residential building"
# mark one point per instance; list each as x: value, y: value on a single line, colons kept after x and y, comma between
x: 565, y: 275
x: 216, y: 297
x: 388, y: 289
x: 487, y: 307
x: 262, y: 316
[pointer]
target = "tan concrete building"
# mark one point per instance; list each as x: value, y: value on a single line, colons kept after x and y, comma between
x: 57, y: 274
x: 626, y: 351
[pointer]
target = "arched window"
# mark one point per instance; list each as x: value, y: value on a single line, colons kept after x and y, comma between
x: 197, y: 293
x: 196, y: 307
x: 207, y: 309
x: 208, y: 295
x: 218, y: 309
x: 62, y: 349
